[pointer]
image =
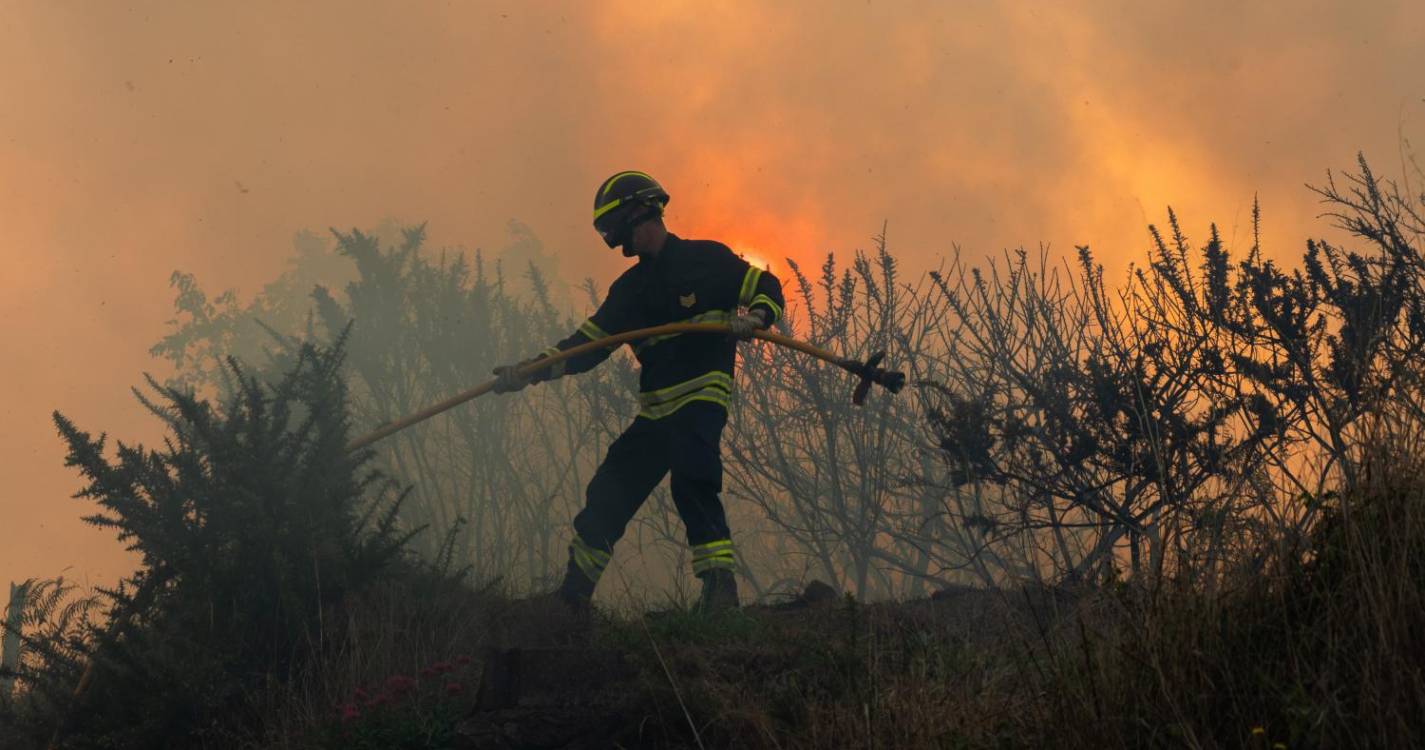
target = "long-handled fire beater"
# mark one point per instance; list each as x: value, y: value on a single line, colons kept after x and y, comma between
x: 867, y: 372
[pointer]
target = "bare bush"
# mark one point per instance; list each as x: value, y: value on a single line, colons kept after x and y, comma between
x: 1200, y: 410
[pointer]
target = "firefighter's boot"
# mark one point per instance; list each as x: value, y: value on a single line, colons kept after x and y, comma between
x: 576, y: 591
x: 719, y: 591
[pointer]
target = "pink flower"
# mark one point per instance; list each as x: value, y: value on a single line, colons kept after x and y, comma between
x: 442, y: 667
x: 349, y: 712
x: 454, y: 688
x: 462, y: 660
x: 428, y: 672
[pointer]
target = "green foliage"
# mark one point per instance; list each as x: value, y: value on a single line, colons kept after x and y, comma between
x: 55, y: 629
x: 252, y: 525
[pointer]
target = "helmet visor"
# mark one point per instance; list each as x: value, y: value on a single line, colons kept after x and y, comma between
x: 616, y: 223
x: 613, y: 227
x: 616, y: 219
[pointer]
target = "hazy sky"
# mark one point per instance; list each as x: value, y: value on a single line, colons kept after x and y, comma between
x: 140, y: 138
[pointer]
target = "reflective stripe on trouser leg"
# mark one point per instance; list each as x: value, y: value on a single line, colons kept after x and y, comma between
x: 590, y: 560
x: 713, y: 555
x: 694, y: 438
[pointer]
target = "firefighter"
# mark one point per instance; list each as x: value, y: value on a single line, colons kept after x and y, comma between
x: 684, y: 387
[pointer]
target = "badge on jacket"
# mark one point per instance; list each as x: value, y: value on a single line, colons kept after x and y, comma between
x: 688, y: 300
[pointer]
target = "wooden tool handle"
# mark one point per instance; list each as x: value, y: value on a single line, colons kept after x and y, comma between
x: 608, y: 342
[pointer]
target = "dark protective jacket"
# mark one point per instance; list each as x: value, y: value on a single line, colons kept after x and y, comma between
x: 689, y: 281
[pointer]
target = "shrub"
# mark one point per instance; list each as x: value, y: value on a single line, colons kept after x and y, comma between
x: 252, y: 525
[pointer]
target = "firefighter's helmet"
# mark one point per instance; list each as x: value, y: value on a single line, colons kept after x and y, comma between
x: 624, y: 201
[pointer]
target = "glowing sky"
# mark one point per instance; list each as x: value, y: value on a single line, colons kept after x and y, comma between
x: 140, y: 138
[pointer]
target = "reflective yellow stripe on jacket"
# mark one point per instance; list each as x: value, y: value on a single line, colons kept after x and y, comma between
x: 715, y: 386
x: 590, y: 329
x: 749, y: 285
x: 764, y: 299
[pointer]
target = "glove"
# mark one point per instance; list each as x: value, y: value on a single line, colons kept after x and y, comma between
x: 508, y: 379
x: 743, y: 325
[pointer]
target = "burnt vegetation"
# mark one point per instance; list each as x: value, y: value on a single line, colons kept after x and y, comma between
x: 1183, y: 509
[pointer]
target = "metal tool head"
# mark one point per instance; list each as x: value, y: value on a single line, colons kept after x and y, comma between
x: 870, y: 372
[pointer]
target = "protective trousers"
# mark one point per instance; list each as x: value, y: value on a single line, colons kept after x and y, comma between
x: 685, y: 443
